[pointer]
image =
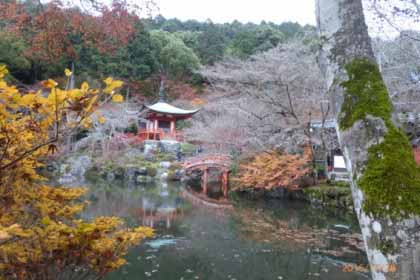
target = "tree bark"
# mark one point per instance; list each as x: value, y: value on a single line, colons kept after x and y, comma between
x: 392, y: 244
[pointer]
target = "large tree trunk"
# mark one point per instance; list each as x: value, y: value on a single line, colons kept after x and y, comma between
x: 385, y: 181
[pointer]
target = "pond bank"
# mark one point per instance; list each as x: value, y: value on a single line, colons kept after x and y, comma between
x: 273, y: 238
x: 136, y: 168
x: 334, y: 195
x: 262, y: 239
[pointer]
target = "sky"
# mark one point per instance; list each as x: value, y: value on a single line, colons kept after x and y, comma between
x: 221, y: 11
x: 277, y: 11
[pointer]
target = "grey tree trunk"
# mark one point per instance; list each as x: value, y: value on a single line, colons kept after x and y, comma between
x: 369, y: 139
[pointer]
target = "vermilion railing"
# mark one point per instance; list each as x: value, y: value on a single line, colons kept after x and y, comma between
x: 221, y: 160
x: 159, y: 134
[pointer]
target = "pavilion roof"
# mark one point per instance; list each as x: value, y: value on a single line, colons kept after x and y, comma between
x: 165, y: 108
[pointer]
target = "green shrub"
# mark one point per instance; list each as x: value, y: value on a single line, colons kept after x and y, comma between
x: 92, y: 174
x: 182, y: 124
x: 172, y: 176
x: 151, y: 171
x: 187, y: 148
x: 132, y: 128
x: 175, y: 166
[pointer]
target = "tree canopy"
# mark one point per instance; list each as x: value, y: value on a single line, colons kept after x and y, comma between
x: 39, y: 41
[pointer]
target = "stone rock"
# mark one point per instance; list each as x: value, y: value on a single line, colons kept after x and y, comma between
x: 149, y: 157
x: 67, y: 179
x: 178, y: 175
x: 165, y: 164
x: 131, y: 173
x: 133, y: 152
x: 164, y: 176
x: 79, y: 165
x: 141, y: 179
x: 110, y: 176
x: 410, y: 223
x: 142, y: 171
x: 151, y: 147
x: 402, y: 235
x: 170, y: 146
x: 376, y: 226
x: 51, y: 167
x: 144, y: 179
x: 74, y: 169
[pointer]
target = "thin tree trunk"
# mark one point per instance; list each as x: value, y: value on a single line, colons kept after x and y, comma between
x: 392, y: 244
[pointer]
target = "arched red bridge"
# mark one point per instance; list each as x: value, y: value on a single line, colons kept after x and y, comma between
x: 205, y: 162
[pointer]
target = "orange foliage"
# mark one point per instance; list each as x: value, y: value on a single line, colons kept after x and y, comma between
x: 118, y: 26
x: 198, y: 102
x: 49, y: 31
x: 272, y: 169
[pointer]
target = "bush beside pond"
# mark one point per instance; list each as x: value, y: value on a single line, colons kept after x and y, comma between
x: 338, y: 196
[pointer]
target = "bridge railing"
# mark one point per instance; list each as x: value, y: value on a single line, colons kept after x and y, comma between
x: 208, y: 159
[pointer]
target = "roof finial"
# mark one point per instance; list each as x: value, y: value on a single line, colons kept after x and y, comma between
x: 162, y: 94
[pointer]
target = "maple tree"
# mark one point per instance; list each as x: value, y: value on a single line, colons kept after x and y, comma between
x: 41, y: 234
x: 53, y: 31
x: 271, y: 169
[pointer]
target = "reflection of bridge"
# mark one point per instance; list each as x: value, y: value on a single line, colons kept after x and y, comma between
x: 153, y: 217
x: 205, y: 162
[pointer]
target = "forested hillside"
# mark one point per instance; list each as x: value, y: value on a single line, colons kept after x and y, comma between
x: 116, y: 42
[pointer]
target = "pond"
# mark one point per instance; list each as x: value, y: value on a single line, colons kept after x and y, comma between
x: 271, y: 239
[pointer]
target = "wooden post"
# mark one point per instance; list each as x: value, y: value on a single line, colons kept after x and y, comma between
x: 225, y: 183
x: 204, y: 181
x: 155, y: 129
x: 173, y: 128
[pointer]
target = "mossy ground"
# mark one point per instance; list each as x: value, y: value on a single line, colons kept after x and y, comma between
x: 391, y: 179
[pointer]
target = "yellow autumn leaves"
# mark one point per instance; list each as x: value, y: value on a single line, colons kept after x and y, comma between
x: 101, y: 120
x: 117, y: 98
x: 76, y: 105
x: 3, y: 71
x: 49, y: 83
x: 111, y: 85
x: 67, y: 72
x: 39, y: 225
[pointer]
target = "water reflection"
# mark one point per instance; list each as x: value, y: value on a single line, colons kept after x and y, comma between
x: 294, y: 226
x: 270, y: 240
x: 153, y: 205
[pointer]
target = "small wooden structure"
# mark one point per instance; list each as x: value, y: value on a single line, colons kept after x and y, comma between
x: 205, y: 162
x: 161, y: 119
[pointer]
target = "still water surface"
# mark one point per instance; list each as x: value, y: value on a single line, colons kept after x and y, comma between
x: 260, y: 240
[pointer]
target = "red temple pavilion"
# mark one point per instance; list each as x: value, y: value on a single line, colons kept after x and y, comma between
x: 161, y: 119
